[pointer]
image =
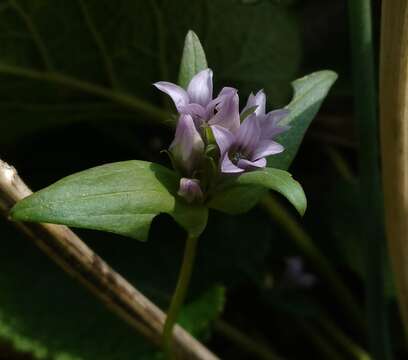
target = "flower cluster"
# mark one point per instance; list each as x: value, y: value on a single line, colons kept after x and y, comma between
x: 214, y: 133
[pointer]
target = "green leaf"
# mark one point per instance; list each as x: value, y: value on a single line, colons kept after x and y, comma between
x: 121, y: 198
x: 197, y: 316
x: 193, y: 59
x: 236, y: 199
x: 310, y: 91
x: 272, y: 179
x: 75, y: 326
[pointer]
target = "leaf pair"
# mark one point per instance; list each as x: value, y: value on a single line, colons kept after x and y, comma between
x: 124, y: 197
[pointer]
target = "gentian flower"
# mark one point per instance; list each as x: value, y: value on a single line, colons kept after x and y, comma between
x: 247, y: 148
x: 269, y: 122
x: 187, y: 147
x: 197, y: 101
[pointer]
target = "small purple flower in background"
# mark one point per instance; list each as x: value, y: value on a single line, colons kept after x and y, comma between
x: 295, y: 275
x: 190, y: 190
x: 247, y: 148
x: 197, y: 101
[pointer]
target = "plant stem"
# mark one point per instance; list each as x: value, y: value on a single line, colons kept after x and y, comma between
x: 342, y: 339
x: 70, y: 252
x: 305, y: 243
x: 324, y: 347
x: 39, y: 43
x: 99, y: 42
x: 129, y: 101
x: 366, y: 112
x: 247, y: 344
x: 179, y: 294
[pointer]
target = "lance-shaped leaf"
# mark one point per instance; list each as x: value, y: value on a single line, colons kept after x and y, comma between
x: 193, y: 59
x: 309, y: 93
x: 121, y: 198
x: 272, y: 179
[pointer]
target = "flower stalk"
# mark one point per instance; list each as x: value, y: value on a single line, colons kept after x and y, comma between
x: 179, y: 294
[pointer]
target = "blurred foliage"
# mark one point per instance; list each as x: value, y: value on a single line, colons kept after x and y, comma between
x: 126, y: 45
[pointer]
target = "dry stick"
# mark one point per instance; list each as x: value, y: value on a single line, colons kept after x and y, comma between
x: 394, y: 139
x: 77, y: 259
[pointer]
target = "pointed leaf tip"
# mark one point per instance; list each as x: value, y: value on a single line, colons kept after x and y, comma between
x: 193, y: 59
x: 309, y: 93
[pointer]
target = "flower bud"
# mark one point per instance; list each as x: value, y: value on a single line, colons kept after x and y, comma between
x: 190, y: 190
x: 187, y: 147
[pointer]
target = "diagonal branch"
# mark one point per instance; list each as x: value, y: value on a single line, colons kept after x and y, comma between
x: 77, y: 259
x: 126, y: 100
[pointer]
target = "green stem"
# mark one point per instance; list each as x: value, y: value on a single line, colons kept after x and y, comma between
x: 162, y: 117
x: 100, y: 45
x: 324, y: 347
x: 42, y: 50
x: 342, y: 339
x: 366, y: 111
x: 179, y: 294
x: 305, y: 243
x: 244, y: 342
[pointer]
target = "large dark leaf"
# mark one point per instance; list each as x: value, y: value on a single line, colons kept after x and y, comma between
x: 107, y: 50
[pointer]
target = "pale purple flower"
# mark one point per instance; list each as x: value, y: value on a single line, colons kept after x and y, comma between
x: 190, y: 190
x: 197, y: 101
x: 187, y: 147
x: 295, y: 275
x: 247, y: 147
x: 269, y: 123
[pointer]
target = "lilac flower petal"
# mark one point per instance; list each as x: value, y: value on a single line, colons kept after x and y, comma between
x: 190, y: 190
x: 224, y: 138
x: 178, y: 94
x: 258, y: 100
x: 228, y: 167
x: 187, y: 146
x: 265, y: 148
x: 276, y: 116
x: 251, y: 165
x: 248, y: 135
x: 224, y: 93
x: 270, y: 123
x: 200, y: 88
x: 227, y: 108
x: 192, y: 109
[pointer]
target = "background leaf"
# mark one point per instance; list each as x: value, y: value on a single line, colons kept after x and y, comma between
x: 310, y: 91
x: 121, y: 198
x: 142, y: 43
